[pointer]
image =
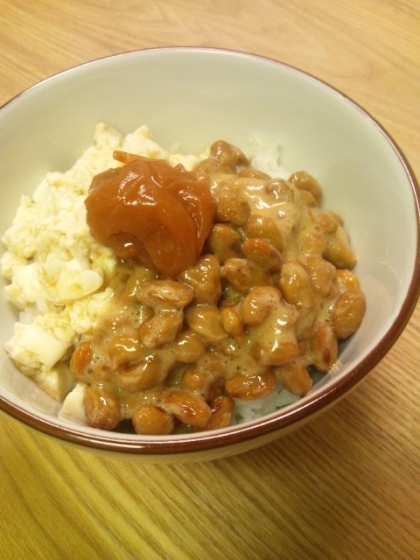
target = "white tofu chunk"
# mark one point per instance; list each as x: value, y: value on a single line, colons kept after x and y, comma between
x: 73, y: 408
x: 45, y: 347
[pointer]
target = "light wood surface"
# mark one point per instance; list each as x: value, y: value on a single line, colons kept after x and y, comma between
x: 346, y: 486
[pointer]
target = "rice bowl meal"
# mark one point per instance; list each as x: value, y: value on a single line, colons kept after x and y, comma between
x: 192, y: 295
x: 161, y: 292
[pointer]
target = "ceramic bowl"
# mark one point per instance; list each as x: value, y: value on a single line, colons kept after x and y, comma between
x: 192, y: 96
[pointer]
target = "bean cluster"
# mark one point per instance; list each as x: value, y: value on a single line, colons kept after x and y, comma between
x: 269, y: 298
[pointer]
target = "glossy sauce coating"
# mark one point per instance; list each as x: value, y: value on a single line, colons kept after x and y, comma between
x: 267, y: 295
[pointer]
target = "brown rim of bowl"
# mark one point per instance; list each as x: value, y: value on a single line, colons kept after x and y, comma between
x: 284, y: 418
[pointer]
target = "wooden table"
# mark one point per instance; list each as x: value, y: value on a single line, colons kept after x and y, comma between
x: 347, y: 486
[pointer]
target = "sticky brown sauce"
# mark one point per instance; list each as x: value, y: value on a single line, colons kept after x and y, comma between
x: 230, y: 285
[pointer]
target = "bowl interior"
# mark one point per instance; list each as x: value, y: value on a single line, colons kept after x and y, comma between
x: 191, y: 97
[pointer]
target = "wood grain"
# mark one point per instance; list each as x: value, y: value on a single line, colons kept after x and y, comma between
x: 344, y: 487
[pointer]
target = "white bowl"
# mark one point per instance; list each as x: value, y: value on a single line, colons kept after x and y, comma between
x: 193, y: 96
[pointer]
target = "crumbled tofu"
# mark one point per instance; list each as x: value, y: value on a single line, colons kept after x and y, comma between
x: 141, y: 142
x: 35, y: 347
x: 73, y: 408
x: 57, y: 382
